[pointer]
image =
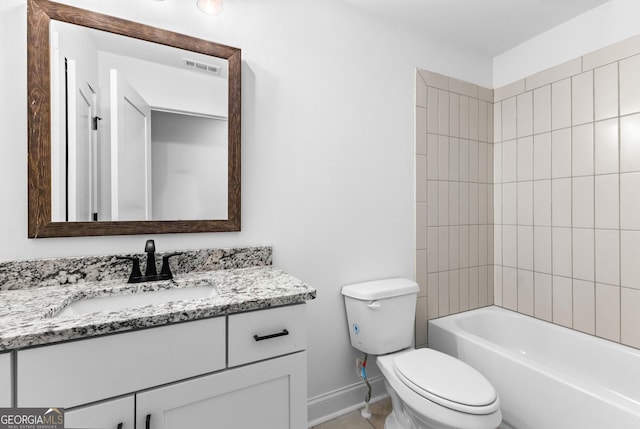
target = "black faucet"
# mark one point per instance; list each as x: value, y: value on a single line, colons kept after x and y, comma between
x: 151, y: 273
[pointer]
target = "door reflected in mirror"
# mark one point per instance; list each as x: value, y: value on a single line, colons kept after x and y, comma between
x: 139, y: 130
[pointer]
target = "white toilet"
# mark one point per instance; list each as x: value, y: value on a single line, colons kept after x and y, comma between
x: 428, y: 389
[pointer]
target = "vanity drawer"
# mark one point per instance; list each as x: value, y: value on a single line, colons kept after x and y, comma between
x: 264, y: 334
x: 83, y: 371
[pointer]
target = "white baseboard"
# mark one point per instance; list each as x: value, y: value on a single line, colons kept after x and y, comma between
x: 341, y: 401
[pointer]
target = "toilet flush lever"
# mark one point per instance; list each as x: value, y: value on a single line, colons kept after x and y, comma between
x: 374, y: 305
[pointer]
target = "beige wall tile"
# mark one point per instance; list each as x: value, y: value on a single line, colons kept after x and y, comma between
x: 525, y: 292
x: 629, y: 257
x: 524, y: 107
x: 582, y: 150
x: 509, y: 168
x: 561, y: 248
x: 464, y: 289
x: 483, y: 286
x: 509, y: 90
x: 421, y: 91
x: 607, y: 246
x: 630, y: 317
x: 497, y: 122
x: 497, y: 288
x: 454, y: 114
x: 561, y: 104
x: 582, y: 98
x: 542, y: 156
x: 606, y: 92
x: 525, y: 155
x: 464, y: 117
x: 509, y: 119
x: 561, y: 202
x: 443, y: 112
x: 582, y: 197
x: 421, y: 131
x: 432, y: 295
x: 554, y: 74
x: 561, y: 153
x: 583, y: 253
x: 629, y: 201
x: 543, y: 296
x: 421, y: 225
x: 607, y: 203
x: 542, y: 202
x: 542, y: 249
x: 464, y: 88
x: 608, y: 311
x: 525, y: 247
x: 473, y: 119
x: 443, y: 293
x: 485, y: 94
x: 606, y: 146
x: 542, y: 109
x: 421, y: 271
x: 630, y: 85
x: 421, y: 321
x: 421, y: 178
x: 473, y: 287
x: 432, y: 110
x: 483, y: 123
x: 615, y: 52
x: 434, y: 79
x: 510, y: 288
x: 584, y: 315
x: 630, y: 143
x: 562, y: 301
x: 454, y: 291
x: 454, y: 247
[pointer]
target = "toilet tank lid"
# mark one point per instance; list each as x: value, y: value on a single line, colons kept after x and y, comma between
x: 378, y: 289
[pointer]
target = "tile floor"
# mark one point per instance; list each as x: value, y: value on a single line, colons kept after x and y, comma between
x: 379, y: 410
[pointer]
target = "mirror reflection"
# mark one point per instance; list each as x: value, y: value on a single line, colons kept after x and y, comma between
x: 139, y: 130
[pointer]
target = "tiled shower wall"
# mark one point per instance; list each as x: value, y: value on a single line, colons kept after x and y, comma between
x: 567, y: 194
x: 565, y: 184
x: 454, y: 193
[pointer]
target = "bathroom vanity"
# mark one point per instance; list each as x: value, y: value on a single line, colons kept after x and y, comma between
x: 236, y: 358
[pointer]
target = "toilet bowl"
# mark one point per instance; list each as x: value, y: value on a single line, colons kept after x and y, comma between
x: 428, y: 389
x: 432, y: 390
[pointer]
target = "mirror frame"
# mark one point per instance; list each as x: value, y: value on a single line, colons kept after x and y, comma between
x: 39, y: 14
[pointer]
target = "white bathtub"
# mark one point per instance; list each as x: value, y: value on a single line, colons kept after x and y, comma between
x: 547, y: 376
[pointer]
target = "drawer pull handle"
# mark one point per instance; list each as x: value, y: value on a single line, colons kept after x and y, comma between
x: 266, y: 337
x: 119, y: 426
x: 147, y: 424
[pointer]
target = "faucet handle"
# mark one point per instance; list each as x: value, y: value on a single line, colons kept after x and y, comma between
x: 150, y: 246
x: 166, y: 269
x: 136, y: 274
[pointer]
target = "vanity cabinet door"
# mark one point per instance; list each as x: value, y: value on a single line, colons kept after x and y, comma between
x: 5, y: 380
x: 114, y: 414
x: 269, y: 395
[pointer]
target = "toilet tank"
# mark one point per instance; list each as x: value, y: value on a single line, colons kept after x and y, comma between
x: 381, y: 314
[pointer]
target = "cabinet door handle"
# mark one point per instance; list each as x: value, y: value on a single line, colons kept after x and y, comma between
x: 266, y: 337
x: 147, y: 424
x: 119, y: 426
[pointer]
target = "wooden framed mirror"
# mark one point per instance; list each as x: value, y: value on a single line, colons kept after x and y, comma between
x: 64, y: 199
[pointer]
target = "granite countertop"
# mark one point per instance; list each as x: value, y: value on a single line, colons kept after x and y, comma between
x: 28, y: 316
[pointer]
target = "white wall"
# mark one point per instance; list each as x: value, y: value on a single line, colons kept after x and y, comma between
x: 327, y: 147
x: 188, y: 167
x: 171, y: 88
x: 612, y: 22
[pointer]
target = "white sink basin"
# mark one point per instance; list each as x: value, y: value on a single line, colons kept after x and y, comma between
x: 136, y: 300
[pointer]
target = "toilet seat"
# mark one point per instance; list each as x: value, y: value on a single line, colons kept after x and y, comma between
x: 446, y: 381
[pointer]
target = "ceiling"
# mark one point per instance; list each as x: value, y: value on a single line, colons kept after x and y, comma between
x: 490, y: 27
